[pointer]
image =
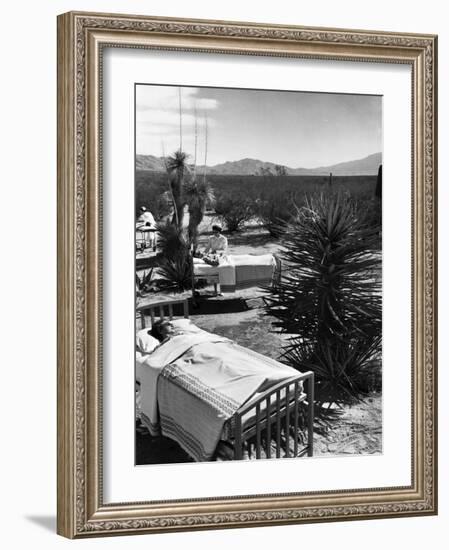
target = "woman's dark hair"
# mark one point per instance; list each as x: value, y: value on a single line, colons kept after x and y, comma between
x: 156, y: 329
x: 217, y: 228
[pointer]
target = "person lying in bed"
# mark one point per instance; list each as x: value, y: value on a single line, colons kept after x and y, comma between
x: 163, y: 330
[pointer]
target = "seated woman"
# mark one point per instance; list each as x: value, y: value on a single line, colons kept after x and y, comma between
x: 216, y: 247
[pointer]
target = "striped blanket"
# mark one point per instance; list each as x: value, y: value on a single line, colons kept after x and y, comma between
x: 203, y: 379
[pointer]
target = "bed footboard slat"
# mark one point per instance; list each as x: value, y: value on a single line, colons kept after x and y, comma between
x: 287, y: 422
x: 295, y: 444
x: 311, y: 401
x: 268, y: 417
x: 278, y: 424
x: 258, y: 430
x: 281, y: 416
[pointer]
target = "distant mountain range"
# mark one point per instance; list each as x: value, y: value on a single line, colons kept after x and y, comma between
x: 367, y: 166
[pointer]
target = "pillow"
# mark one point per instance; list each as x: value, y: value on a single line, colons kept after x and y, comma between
x: 145, y: 342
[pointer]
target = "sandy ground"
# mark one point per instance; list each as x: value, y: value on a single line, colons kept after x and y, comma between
x: 357, y: 432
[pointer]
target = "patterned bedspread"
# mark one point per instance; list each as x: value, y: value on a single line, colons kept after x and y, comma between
x: 201, y: 381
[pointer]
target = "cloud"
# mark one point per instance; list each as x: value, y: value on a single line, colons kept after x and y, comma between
x: 157, y: 118
x: 164, y: 118
x: 166, y: 99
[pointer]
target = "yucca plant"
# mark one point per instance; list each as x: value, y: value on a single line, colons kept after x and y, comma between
x: 176, y: 273
x: 175, y: 267
x: 329, y: 297
x: 341, y: 368
x: 143, y: 281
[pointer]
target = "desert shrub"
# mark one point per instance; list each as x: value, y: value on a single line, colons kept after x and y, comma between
x: 154, y: 196
x: 233, y: 210
x: 370, y: 208
x: 175, y: 267
x: 329, y: 297
x: 275, y: 209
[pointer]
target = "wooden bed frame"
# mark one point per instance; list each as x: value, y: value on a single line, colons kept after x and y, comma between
x: 276, y: 413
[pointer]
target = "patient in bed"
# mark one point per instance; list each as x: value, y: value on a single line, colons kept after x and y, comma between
x: 163, y: 329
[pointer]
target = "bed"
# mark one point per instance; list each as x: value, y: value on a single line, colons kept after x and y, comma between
x: 219, y: 400
x: 237, y: 271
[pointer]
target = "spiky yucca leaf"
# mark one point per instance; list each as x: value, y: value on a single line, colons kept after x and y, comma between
x: 340, y: 368
x: 176, y: 273
x: 175, y: 262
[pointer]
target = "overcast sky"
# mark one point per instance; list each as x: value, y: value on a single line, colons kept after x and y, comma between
x: 295, y: 129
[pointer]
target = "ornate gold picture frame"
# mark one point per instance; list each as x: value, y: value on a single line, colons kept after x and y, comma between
x: 82, y: 40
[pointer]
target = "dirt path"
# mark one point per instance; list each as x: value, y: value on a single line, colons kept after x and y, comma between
x: 357, y: 432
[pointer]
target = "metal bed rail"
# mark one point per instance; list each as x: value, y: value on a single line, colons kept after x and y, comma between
x: 279, y: 418
x: 162, y: 310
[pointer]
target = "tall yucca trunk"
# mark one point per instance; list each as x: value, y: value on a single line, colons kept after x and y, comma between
x: 198, y: 194
x: 176, y: 166
x: 177, y: 183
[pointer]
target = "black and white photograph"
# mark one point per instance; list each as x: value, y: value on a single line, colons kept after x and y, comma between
x: 258, y: 274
